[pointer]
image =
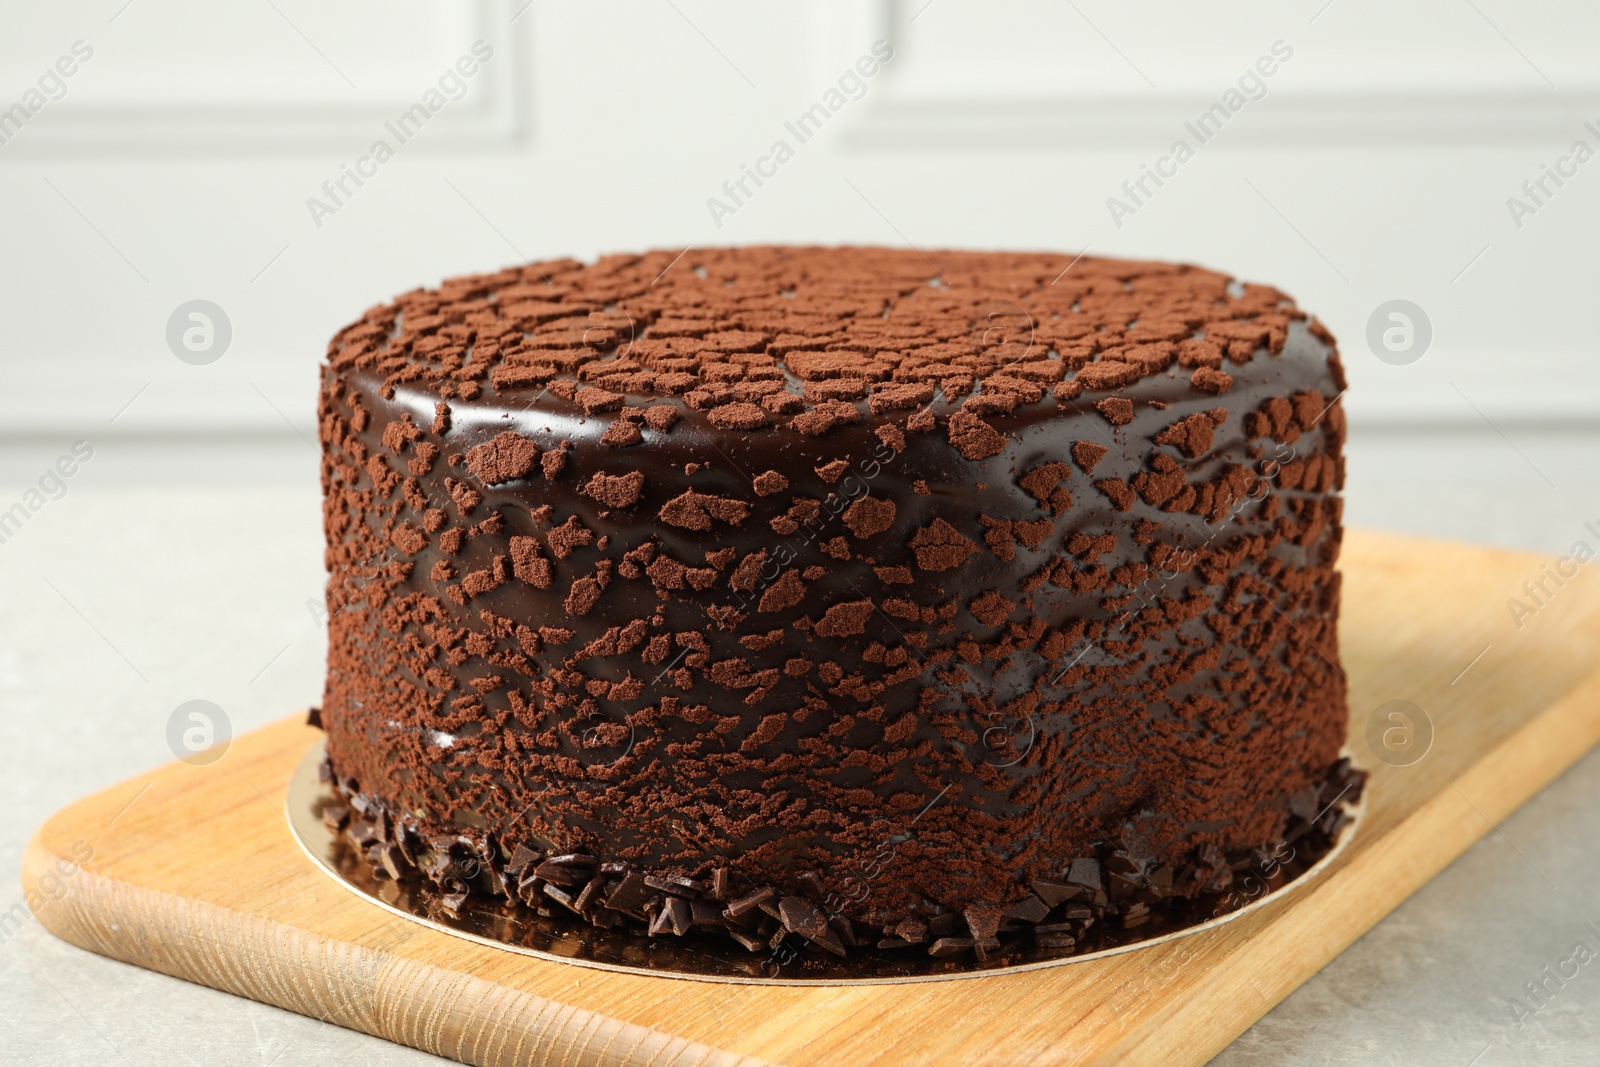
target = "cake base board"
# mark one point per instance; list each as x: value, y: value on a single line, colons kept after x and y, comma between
x: 191, y: 871
x: 568, y: 939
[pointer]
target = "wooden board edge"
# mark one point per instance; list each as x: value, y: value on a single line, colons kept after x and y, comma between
x: 475, y: 1024
x: 146, y: 928
x: 485, y: 1024
x: 1374, y: 882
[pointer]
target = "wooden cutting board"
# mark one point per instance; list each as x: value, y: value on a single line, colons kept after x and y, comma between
x: 191, y: 871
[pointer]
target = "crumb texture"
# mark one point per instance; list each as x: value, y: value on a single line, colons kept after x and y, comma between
x: 891, y: 591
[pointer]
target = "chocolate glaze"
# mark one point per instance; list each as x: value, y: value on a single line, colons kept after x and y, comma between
x: 947, y: 683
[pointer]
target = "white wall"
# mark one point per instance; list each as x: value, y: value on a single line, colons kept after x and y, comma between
x: 1377, y: 165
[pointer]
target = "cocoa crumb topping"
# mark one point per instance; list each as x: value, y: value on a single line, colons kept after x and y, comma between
x: 657, y: 575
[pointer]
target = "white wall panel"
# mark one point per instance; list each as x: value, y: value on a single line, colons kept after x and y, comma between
x: 1378, y: 165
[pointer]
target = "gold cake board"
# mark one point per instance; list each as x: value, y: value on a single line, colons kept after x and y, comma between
x: 192, y: 871
x: 564, y: 938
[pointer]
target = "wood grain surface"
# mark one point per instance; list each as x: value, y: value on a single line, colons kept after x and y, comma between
x: 191, y: 871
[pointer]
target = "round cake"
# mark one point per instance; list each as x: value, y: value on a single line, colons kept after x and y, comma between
x: 850, y: 596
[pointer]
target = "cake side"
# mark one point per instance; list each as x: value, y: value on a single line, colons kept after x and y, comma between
x: 898, y: 596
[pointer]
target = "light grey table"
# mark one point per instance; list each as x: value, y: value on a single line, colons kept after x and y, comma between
x: 180, y: 570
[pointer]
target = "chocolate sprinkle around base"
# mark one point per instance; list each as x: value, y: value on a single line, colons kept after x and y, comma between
x: 1096, y: 904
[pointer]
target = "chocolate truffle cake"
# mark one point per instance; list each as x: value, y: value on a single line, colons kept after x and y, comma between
x: 855, y: 597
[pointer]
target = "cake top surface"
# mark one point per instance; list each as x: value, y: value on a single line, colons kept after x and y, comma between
x: 799, y: 338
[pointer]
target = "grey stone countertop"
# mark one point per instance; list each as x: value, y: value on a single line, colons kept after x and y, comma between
x: 175, y: 571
